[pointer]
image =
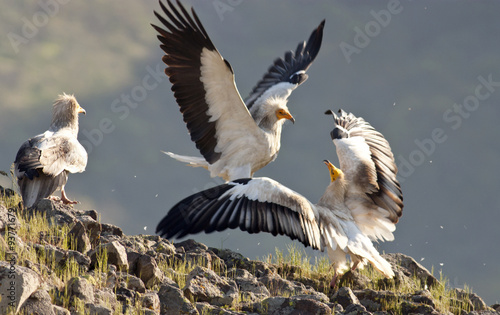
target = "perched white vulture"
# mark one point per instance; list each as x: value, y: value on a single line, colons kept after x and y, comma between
x: 339, y: 222
x: 43, y: 162
x: 234, y: 139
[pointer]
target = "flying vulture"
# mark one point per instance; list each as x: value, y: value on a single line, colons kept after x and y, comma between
x: 43, y: 162
x: 234, y: 138
x: 362, y: 203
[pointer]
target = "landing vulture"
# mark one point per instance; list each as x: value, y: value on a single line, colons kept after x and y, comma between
x: 234, y: 138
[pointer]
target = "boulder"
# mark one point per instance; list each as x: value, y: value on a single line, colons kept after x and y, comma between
x: 79, y: 287
x: 78, y: 235
x: 132, y: 282
x: 18, y: 283
x: 151, y: 301
x: 105, y: 297
x: 477, y: 302
x: 59, y: 310
x: 93, y: 309
x: 207, y: 309
x: 172, y: 301
x: 204, y: 285
x: 147, y: 269
x: 251, y: 290
x: 39, y: 303
x: 54, y: 211
x: 8, y: 219
x: 345, y: 297
x: 115, y: 252
x: 293, y: 306
x: 410, y: 267
x: 280, y: 286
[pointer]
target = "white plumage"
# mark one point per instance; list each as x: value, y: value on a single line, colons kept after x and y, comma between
x: 234, y: 138
x: 43, y: 162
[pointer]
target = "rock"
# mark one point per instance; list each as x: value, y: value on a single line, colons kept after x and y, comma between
x: 92, y: 309
x: 132, y: 282
x: 18, y: 283
x: 125, y: 295
x: 354, y: 280
x: 424, y: 297
x: 280, y: 286
x: 345, y: 297
x: 8, y: 219
x: 409, y: 267
x: 54, y: 211
x: 373, y: 300
x: 111, y: 229
x: 417, y: 308
x: 92, y: 227
x: 6, y: 192
x: 115, y: 252
x: 51, y: 252
x: 357, y: 309
x: 207, y: 309
x: 39, y: 303
x: 190, y: 245
x: 204, y: 285
x: 59, y: 310
x: 81, y: 259
x: 148, y: 271
x: 132, y: 258
x: 78, y: 235
x: 105, y: 297
x: 165, y: 247
x: 151, y: 301
x: 172, y: 301
x: 251, y: 290
x: 293, y: 305
x: 198, y: 257
x: 79, y: 287
x: 477, y: 302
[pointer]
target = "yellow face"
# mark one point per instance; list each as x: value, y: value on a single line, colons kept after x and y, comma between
x: 80, y: 109
x: 334, y: 172
x: 284, y: 114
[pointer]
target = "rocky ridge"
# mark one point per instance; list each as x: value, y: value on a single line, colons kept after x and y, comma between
x: 93, y: 268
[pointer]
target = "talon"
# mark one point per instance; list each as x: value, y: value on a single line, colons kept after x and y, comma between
x: 65, y: 199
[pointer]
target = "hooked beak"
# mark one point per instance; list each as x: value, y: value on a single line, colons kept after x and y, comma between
x: 283, y: 114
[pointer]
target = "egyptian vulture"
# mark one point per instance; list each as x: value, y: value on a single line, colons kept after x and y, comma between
x: 362, y: 203
x: 234, y: 139
x: 43, y: 162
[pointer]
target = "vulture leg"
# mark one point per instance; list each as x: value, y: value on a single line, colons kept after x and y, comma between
x: 65, y: 199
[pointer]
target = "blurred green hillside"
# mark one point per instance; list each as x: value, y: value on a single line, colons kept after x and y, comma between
x: 405, y: 80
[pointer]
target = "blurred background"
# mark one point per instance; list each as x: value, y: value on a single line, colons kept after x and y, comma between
x: 424, y: 73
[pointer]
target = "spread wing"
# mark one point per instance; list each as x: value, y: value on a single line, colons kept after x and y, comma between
x: 203, y: 85
x: 368, y: 163
x: 288, y: 72
x: 253, y: 205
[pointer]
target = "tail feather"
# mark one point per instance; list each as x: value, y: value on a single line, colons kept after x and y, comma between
x: 190, y: 160
x: 361, y: 250
x: 41, y: 186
